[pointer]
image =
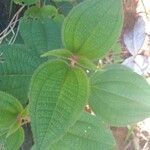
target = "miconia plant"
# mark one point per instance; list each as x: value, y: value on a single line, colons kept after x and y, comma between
x: 54, y: 75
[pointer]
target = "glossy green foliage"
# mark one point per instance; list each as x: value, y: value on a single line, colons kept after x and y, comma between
x: 58, y: 94
x: 88, y: 133
x: 92, y: 27
x: 120, y: 96
x: 12, y: 142
x: 10, y: 108
x: 16, y: 70
x: 41, y: 35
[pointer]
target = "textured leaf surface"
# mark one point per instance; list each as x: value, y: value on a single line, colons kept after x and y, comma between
x: 13, y: 142
x: 58, y: 95
x: 9, y: 110
x: 88, y: 133
x: 41, y: 35
x: 16, y: 70
x: 120, y: 96
x: 93, y: 27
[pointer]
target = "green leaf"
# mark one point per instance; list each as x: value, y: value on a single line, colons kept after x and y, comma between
x: 120, y: 96
x: 92, y: 27
x: 47, y: 11
x: 64, y: 7
x: 41, y: 35
x: 27, y: 2
x: 58, y: 95
x: 86, y: 63
x: 33, y: 147
x: 116, y: 47
x: 59, y: 18
x: 65, y: 54
x: 3, y: 131
x: 60, y: 53
x: 13, y: 142
x: 88, y: 133
x: 10, y: 108
x: 16, y: 70
x: 14, y: 127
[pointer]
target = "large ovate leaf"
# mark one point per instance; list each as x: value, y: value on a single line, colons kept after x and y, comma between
x: 120, y: 96
x: 92, y: 27
x: 88, y: 133
x: 58, y: 94
x: 10, y: 108
x: 12, y: 142
x: 16, y: 70
x: 41, y: 35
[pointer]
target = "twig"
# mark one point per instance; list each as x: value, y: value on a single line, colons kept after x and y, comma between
x: 11, y: 26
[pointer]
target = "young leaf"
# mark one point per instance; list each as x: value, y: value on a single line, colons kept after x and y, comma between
x: 66, y: 54
x: 9, y: 110
x: 120, y: 96
x: 93, y: 27
x: 86, y: 63
x: 88, y: 133
x: 16, y: 70
x: 60, y: 53
x: 58, y: 94
x: 13, y: 142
